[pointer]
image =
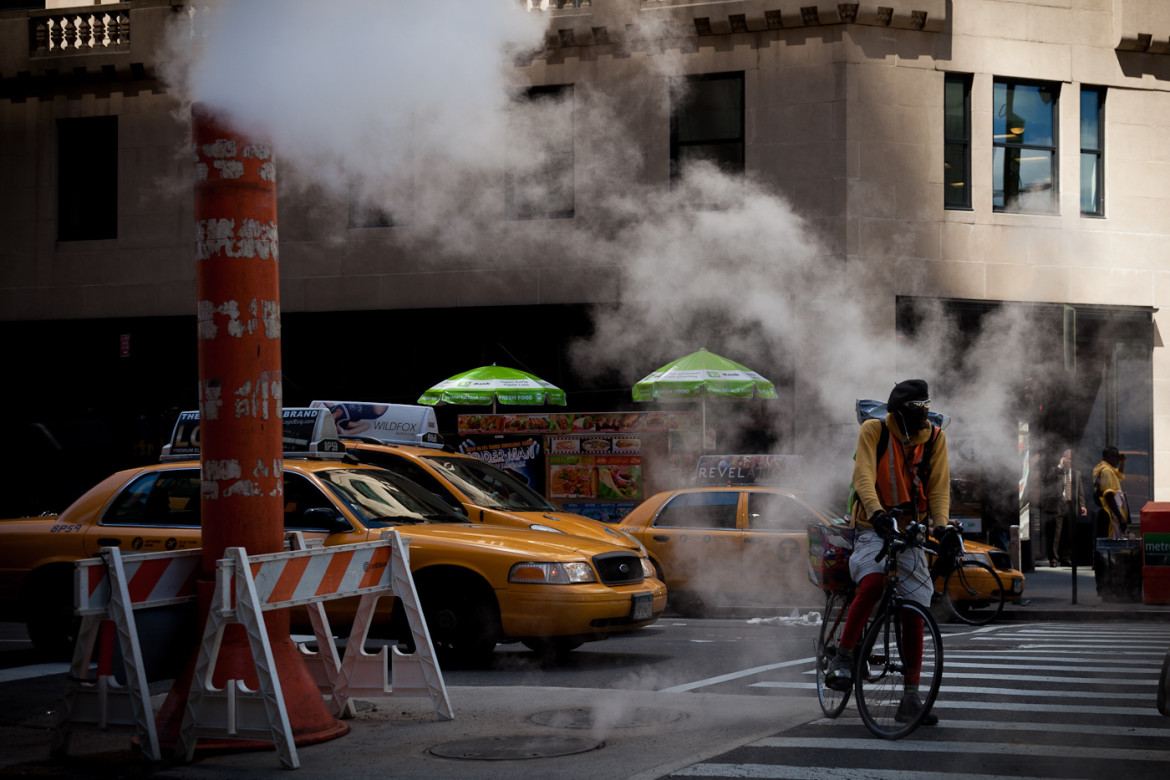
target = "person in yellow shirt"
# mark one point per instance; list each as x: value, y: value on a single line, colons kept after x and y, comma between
x: 912, y: 474
x: 1113, y: 517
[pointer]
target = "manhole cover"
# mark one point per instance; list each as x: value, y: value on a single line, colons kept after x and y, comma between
x: 511, y: 748
x: 585, y: 718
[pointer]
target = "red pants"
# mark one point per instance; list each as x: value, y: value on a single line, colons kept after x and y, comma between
x: 869, y: 592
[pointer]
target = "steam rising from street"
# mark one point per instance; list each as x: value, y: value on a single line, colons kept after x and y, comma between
x: 370, y: 99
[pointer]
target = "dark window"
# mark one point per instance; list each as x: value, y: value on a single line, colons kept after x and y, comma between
x: 707, y: 122
x: 364, y: 215
x: 777, y: 512
x: 699, y: 510
x: 1024, y: 157
x: 372, y: 210
x: 87, y: 178
x: 957, y: 152
x: 1093, y: 151
x: 412, y: 471
x: 161, y: 498
x: 300, y: 496
x: 539, y: 181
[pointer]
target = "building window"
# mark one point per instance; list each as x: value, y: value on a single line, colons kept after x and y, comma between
x: 957, y: 151
x: 366, y: 213
x: 87, y: 178
x: 1093, y: 151
x: 1024, y: 155
x: 539, y: 181
x: 707, y: 122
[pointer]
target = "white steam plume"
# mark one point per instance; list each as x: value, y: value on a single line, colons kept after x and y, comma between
x: 394, y: 97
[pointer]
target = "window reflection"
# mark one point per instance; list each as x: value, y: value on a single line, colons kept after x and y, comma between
x: 1024, y: 175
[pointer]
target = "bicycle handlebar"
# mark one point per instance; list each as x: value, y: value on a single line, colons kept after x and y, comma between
x: 915, y: 535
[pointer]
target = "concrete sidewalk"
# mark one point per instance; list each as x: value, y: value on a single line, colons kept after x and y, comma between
x: 1048, y: 596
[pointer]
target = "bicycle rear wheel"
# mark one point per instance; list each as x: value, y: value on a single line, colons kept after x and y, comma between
x: 832, y: 623
x: 969, y: 583
x: 880, y: 679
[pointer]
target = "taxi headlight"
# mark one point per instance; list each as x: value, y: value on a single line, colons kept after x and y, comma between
x: 537, y: 573
x: 978, y: 556
x: 549, y: 528
x: 648, y: 569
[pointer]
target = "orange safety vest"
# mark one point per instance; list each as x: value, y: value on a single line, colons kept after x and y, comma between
x: 901, y: 476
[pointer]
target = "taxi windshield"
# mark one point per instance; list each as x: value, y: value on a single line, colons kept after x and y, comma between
x: 379, y: 498
x: 488, y: 486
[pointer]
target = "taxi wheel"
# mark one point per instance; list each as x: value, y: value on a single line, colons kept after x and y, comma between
x: 552, y: 648
x: 688, y: 605
x: 462, y: 618
x: 48, y: 603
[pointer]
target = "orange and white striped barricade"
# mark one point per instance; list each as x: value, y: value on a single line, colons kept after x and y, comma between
x: 261, y: 583
x: 391, y: 672
x: 107, y: 590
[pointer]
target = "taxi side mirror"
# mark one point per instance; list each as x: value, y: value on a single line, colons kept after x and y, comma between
x: 327, y: 519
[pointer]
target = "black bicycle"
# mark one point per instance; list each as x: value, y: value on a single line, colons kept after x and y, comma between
x: 971, y: 590
x: 881, y: 666
x: 832, y: 623
x: 879, y: 669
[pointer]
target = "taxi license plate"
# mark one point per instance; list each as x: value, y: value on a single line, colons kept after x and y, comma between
x: 643, y: 607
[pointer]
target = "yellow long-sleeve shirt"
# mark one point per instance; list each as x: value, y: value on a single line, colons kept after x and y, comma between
x: 865, y: 472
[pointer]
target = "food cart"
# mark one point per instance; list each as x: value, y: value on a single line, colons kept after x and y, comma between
x: 599, y: 465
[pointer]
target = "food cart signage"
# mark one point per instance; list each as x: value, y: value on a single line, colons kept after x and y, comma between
x: 618, y: 422
x: 745, y: 469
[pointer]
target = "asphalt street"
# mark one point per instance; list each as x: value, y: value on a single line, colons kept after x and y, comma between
x: 704, y: 727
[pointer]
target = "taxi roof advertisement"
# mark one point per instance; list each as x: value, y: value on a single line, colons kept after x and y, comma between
x: 402, y: 423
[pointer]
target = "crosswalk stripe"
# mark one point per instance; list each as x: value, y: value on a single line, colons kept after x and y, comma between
x: 771, y: 772
x: 736, y: 675
x: 1014, y: 726
x: 990, y: 657
x: 957, y: 747
x: 1029, y: 706
x: 1142, y: 682
x: 975, y: 689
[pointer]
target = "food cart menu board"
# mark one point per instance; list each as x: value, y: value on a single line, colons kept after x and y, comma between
x: 578, y: 423
x: 608, y: 477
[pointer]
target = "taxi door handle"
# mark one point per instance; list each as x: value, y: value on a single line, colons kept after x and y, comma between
x: 662, y: 538
x: 109, y: 541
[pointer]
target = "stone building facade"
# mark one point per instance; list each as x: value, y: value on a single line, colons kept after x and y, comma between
x: 947, y: 160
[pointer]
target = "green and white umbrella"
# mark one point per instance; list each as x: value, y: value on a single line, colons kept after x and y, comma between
x: 489, y: 384
x: 699, y: 375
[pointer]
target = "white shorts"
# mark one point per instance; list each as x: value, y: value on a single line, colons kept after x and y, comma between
x: 914, y: 581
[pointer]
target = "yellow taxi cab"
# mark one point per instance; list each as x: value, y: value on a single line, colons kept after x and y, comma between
x: 728, y: 546
x: 478, y: 585
x: 404, y: 439
x: 979, y: 588
x: 748, y: 546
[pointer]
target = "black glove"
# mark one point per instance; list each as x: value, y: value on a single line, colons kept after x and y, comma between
x: 948, y: 540
x: 883, y: 523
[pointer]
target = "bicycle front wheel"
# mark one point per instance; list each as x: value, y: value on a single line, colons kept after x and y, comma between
x: 883, y: 660
x: 973, y: 593
x: 833, y: 622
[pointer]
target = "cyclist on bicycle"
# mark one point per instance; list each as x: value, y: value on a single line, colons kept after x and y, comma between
x: 907, y: 480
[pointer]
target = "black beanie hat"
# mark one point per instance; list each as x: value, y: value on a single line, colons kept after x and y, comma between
x: 908, y: 390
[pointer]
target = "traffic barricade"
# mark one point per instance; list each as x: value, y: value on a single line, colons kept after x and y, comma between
x: 247, y: 586
x: 107, y: 591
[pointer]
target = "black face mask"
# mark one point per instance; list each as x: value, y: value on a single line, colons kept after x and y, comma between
x: 913, y: 418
